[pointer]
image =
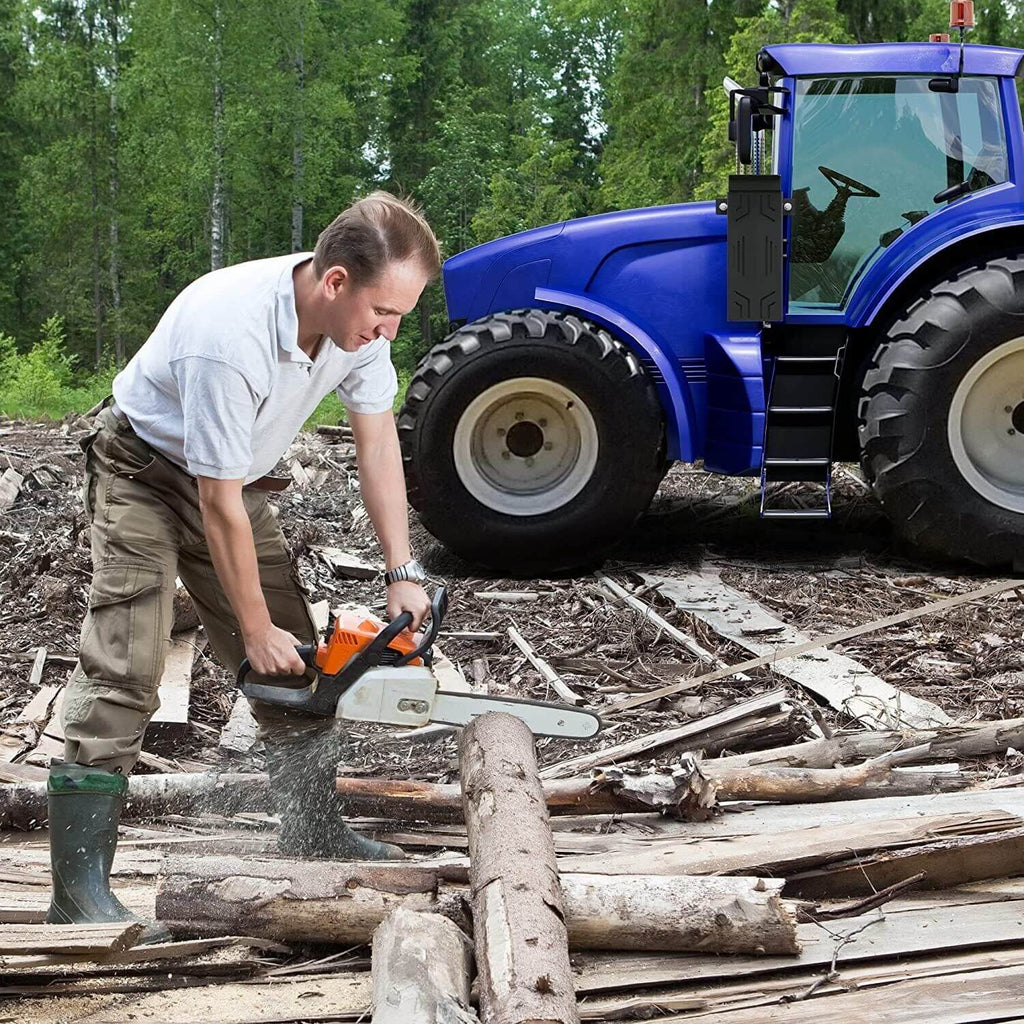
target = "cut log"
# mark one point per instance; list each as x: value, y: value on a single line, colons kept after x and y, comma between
x: 522, y: 946
x: 947, y: 742
x: 679, y: 794
x: 344, y: 563
x: 50, y: 745
x: 299, y: 902
x: 728, y: 915
x: 23, y: 805
x: 422, y: 964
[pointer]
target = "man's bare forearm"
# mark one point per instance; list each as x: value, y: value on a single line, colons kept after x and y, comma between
x: 382, y: 483
x: 233, y: 552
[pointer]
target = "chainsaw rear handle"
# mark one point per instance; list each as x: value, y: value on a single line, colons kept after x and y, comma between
x: 306, y: 696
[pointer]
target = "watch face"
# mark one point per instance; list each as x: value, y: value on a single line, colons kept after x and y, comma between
x: 416, y: 572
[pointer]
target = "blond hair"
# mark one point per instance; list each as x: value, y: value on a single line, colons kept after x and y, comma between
x: 373, y: 232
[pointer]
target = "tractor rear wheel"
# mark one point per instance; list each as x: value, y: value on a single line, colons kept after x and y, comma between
x: 532, y: 440
x: 941, y: 417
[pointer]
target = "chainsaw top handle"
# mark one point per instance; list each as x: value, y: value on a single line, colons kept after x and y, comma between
x: 322, y: 699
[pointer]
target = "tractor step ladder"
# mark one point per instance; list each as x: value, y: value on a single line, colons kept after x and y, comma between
x: 798, y: 430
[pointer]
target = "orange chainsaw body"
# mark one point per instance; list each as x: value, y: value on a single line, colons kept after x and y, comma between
x: 352, y: 632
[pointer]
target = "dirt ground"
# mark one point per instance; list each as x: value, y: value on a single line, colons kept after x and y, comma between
x: 817, y: 576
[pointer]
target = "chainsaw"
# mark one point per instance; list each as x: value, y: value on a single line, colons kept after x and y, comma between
x: 366, y: 671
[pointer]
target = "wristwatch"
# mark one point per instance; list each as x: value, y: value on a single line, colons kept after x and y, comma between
x: 411, y: 570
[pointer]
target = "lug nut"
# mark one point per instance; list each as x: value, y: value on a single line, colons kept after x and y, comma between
x: 1011, y: 431
x: 501, y: 431
x: 529, y: 460
x: 519, y: 415
x: 1007, y: 408
x: 542, y: 423
x: 506, y: 455
x: 548, y: 446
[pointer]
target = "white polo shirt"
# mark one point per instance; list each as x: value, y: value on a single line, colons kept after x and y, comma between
x: 221, y: 387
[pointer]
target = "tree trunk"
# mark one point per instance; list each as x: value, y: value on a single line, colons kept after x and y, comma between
x: 947, y: 742
x: 115, y: 182
x: 97, y: 293
x: 218, y: 202
x: 519, y: 928
x: 422, y: 964
x: 298, y: 133
x: 299, y: 902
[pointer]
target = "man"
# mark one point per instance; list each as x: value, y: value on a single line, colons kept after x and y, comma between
x: 175, y: 486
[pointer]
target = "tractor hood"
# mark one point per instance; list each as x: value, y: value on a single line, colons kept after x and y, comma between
x: 579, y: 256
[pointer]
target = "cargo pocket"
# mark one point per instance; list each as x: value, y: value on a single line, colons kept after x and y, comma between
x: 286, y: 599
x: 89, y: 482
x: 123, y: 635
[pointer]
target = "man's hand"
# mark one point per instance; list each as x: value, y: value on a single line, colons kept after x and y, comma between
x: 406, y: 596
x: 271, y: 652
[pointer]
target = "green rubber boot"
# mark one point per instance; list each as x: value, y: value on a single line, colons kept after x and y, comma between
x: 85, y: 807
x: 302, y: 769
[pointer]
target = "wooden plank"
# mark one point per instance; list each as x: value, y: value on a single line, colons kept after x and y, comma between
x: 845, y: 684
x: 690, y: 732
x: 762, y: 991
x: 934, y: 608
x: 24, y: 939
x: 239, y: 733
x: 341, y: 996
x: 931, y: 930
x: 174, y: 688
x: 10, y: 485
x: 785, y: 853
x: 51, y: 741
x: 344, y: 563
x: 956, y: 999
x: 25, y: 730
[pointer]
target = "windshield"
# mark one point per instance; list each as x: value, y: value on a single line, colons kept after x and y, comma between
x: 869, y: 155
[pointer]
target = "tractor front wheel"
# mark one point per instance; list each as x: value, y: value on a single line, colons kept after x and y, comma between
x: 941, y: 417
x: 532, y: 440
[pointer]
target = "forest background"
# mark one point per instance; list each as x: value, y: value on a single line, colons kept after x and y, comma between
x: 146, y: 142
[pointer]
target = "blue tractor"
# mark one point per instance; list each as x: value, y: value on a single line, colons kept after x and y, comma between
x: 858, y: 294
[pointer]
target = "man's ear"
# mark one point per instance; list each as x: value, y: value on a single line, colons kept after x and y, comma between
x: 335, y: 280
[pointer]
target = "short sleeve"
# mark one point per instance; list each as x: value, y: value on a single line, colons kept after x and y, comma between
x: 372, y: 384
x: 219, y: 409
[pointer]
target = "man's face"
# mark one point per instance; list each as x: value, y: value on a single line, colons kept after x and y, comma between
x: 359, y: 315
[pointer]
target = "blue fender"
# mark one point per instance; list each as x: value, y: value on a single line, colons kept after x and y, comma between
x: 683, y: 433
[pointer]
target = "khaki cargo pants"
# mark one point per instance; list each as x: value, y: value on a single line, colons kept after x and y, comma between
x: 146, y: 530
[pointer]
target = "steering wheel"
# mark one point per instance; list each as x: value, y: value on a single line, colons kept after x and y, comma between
x: 842, y: 182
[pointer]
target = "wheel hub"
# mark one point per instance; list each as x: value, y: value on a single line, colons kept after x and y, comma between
x: 525, y: 446
x: 986, y: 426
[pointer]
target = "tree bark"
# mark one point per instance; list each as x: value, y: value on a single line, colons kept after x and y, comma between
x: 422, y: 964
x: 522, y: 947
x: 218, y: 202
x: 298, y: 133
x: 686, y: 793
x: 344, y: 903
x: 948, y: 742
x: 115, y: 181
x: 23, y: 804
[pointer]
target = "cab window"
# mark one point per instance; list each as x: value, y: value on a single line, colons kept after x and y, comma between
x: 869, y: 156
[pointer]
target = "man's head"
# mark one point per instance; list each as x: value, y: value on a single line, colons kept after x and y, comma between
x: 371, y: 264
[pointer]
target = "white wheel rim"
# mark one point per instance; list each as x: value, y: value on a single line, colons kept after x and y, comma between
x: 986, y: 426
x: 525, y: 446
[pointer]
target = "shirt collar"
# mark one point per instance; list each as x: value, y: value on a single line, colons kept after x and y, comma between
x: 286, y: 316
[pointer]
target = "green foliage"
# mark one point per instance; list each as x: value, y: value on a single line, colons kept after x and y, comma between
x: 497, y: 115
